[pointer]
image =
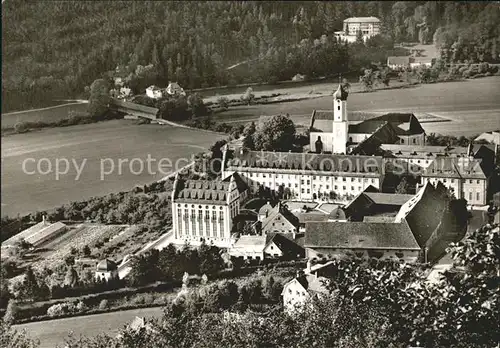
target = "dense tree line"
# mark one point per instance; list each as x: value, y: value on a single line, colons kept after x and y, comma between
x: 55, y: 49
x: 171, y: 264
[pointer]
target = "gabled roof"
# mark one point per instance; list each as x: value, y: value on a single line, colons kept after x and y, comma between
x: 206, y: 191
x: 286, y: 245
x: 106, y: 265
x: 362, y: 20
x: 280, y: 210
x: 265, y: 208
x: 388, y: 198
x: 360, y: 235
x: 311, y: 216
x: 367, y: 165
x: 337, y: 214
x: 310, y: 283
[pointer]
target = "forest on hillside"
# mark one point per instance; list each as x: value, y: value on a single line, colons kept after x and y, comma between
x: 55, y: 49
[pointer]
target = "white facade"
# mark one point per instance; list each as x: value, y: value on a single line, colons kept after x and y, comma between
x: 294, y: 295
x: 304, y: 185
x: 472, y: 190
x: 197, y: 219
x: 154, y: 92
x: 340, y: 126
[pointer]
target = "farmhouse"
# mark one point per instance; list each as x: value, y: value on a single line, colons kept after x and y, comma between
x: 300, y: 289
x: 106, y: 270
x: 204, y: 210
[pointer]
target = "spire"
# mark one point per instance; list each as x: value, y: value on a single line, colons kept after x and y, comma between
x: 340, y: 93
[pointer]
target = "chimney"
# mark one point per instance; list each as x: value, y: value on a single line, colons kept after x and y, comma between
x: 43, y: 219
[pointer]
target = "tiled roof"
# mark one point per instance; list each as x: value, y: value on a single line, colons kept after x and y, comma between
x: 337, y: 214
x: 240, y: 184
x: 206, y: 191
x: 360, y: 235
x: 388, y: 198
x: 424, y: 149
x: 106, y: 265
x: 383, y: 219
x: 367, y: 165
x: 252, y: 244
x: 313, y: 284
x: 362, y: 20
x: 265, y: 208
x: 366, y: 127
x: 341, y: 93
x: 286, y: 245
x: 384, y: 134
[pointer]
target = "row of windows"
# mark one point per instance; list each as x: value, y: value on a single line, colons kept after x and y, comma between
x: 453, y: 180
x: 210, y: 231
x: 199, y: 207
x: 308, y: 182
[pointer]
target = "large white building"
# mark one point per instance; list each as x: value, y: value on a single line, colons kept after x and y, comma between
x: 305, y: 176
x: 367, y: 26
x: 204, y: 210
x: 463, y: 176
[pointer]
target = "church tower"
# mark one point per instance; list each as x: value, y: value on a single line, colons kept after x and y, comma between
x: 340, y: 124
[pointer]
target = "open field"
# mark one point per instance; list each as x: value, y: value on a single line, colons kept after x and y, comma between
x: 52, y: 332
x: 472, y: 106
x: 50, y: 114
x: 107, y: 141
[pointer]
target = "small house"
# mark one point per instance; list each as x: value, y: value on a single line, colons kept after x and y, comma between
x: 173, y: 88
x: 300, y: 289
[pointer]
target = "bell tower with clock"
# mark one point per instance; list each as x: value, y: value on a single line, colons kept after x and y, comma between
x: 340, y: 123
